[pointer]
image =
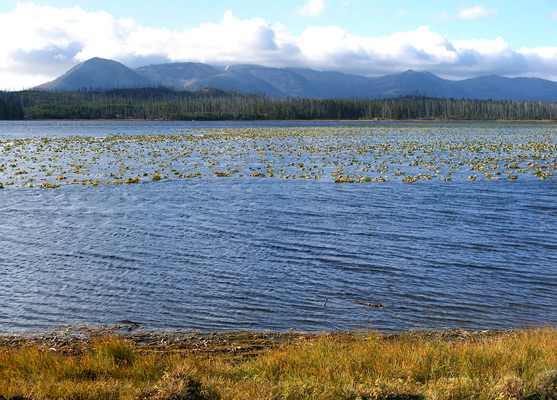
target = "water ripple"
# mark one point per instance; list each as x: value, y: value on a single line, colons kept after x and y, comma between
x: 245, y: 254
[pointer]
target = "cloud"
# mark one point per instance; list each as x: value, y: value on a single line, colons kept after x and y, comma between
x: 45, y: 42
x: 541, y: 61
x: 347, y: 3
x: 402, y: 13
x: 313, y: 8
x: 554, y: 15
x: 477, y: 12
x: 444, y: 16
x: 468, y: 14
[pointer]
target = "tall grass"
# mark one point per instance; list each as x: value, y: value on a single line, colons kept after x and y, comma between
x: 513, y: 365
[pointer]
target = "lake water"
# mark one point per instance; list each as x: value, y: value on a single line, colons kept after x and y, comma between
x: 263, y: 253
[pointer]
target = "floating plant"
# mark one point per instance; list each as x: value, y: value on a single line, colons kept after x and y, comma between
x: 363, y: 154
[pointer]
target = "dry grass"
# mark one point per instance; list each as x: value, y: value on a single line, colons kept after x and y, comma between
x: 509, y: 365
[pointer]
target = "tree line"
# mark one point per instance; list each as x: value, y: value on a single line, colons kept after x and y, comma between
x: 214, y: 104
x: 10, y: 110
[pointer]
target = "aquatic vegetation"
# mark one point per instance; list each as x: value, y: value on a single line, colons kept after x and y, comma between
x: 132, y: 180
x: 361, y: 154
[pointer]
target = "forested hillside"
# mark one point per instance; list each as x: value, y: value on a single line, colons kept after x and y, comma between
x: 212, y: 104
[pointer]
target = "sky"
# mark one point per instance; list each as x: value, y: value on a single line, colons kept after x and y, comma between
x: 42, y: 39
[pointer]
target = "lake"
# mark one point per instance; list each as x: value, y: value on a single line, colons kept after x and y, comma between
x: 230, y: 226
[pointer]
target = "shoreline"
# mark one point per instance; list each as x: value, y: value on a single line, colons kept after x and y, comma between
x: 433, y: 121
x: 76, y: 338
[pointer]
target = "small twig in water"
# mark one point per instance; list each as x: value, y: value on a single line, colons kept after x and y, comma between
x: 376, y: 305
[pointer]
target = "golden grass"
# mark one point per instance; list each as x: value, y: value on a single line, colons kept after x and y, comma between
x: 509, y: 365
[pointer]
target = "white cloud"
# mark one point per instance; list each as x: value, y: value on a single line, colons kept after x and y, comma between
x: 444, y: 16
x: 541, y: 61
x: 402, y: 13
x: 477, y: 12
x: 554, y: 15
x: 347, y: 3
x: 45, y: 42
x: 468, y: 14
x: 313, y: 8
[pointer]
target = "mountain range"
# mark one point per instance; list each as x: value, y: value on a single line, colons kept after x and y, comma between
x: 98, y: 73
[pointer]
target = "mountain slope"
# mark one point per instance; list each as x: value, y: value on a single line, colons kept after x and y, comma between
x: 237, y: 83
x: 288, y: 82
x: 96, y: 73
x: 176, y: 75
x: 412, y: 82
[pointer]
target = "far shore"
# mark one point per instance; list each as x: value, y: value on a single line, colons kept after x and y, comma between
x: 310, y: 120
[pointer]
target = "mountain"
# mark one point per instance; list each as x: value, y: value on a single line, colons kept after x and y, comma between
x: 97, y: 73
x: 195, y: 76
x: 412, y: 82
x: 500, y: 88
x: 100, y: 73
x: 236, y: 82
x: 176, y: 75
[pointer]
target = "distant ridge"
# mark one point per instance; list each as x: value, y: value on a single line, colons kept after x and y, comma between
x: 98, y: 73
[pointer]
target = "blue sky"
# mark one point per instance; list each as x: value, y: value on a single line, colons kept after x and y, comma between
x: 454, y: 39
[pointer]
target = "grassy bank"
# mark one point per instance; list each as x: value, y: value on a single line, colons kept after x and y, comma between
x: 443, y: 365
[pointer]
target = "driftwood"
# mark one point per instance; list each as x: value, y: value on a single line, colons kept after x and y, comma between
x: 376, y: 305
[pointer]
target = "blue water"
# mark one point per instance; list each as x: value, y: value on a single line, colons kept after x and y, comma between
x: 265, y: 254
x: 57, y: 129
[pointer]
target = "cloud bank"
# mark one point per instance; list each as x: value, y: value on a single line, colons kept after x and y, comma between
x: 46, y: 41
x: 477, y: 12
